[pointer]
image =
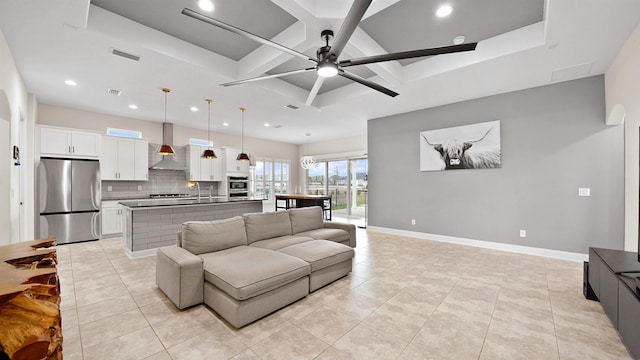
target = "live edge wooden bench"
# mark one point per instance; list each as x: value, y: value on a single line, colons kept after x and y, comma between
x: 30, y: 323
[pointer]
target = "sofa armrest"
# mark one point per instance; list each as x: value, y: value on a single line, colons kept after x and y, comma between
x: 180, y: 275
x: 350, y: 228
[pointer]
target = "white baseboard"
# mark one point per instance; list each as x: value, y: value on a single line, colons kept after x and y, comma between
x: 140, y: 253
x: 556, y: 254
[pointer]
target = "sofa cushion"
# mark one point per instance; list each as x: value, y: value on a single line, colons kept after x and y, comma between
x: 320, y: 253
x: 280, y: 242
x: 305, y: 219
x: 200, y: 237
x: 337, y: 235
x: 267, y: 225
x: 245, y: 271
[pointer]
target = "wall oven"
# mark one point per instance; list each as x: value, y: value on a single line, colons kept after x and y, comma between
x: 238, y: 186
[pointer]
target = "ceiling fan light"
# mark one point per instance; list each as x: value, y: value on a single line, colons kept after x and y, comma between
x: 327, y: 69
x: 209, y: 154
x: 242, y: 157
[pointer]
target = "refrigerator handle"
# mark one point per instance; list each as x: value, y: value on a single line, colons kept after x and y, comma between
x: 95, y: 225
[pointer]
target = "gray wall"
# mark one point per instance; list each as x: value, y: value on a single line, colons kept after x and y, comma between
x: 554, y: 140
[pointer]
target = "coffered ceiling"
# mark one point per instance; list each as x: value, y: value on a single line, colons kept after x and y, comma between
x: 522, y: 43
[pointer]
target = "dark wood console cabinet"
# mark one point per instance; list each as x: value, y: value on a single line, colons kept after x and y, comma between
x: 617, y: 292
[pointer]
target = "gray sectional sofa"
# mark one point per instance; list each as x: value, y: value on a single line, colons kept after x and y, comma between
x: 246, y: 267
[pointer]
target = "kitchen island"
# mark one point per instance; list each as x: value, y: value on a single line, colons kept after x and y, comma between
x: 153, y: 223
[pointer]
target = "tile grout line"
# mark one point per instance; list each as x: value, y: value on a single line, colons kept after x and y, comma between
x: 553, y: 317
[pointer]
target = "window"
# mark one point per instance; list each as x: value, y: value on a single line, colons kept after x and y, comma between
x: 200, y: 142
x: 269, y: 177
x: 124, y: 133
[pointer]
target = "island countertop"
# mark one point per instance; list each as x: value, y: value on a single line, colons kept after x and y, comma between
x: 153, y: 223
x: 173, y: 202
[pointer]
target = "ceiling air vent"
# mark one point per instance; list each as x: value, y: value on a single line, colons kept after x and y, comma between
x: 292, y: 107
x: 125, y: 55
x: 115, y: 92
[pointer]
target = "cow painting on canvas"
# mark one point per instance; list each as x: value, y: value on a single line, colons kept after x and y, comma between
x: 475, y: 146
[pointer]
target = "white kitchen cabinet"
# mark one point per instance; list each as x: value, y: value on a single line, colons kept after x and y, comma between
x: 141, y: 160
x: 124, y: 159
x: 112, y: 218
x: 63, y: 142
x: 234, y: 167
x: 203, y: 169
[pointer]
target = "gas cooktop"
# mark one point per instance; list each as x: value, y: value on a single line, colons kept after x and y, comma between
x: 153, y: 196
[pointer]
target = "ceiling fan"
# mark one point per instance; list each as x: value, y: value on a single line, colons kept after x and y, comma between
x: 327, y: 63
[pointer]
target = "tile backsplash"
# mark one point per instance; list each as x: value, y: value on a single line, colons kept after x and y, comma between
x: 160, y: 181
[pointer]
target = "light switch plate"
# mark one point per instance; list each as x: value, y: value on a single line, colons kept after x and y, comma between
x: 109, y: 188
x: 139, y: 187
x: 584, y: 191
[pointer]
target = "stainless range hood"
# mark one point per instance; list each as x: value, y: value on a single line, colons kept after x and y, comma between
x: 167, y: 162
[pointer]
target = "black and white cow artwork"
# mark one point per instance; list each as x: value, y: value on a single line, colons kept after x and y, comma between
x: 466, y: 147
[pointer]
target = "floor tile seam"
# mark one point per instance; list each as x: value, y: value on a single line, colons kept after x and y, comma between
x: 281, y: 329
x: 103, y: 341
x: 75, y: 307
x: 553, y: 315
x: 484, y: 340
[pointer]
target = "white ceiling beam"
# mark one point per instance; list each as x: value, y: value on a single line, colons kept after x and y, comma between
x: 519, y: 40
x: 361, y: 44
x: 76, y: 13
x: 124, y: 31
x: 266, y: 57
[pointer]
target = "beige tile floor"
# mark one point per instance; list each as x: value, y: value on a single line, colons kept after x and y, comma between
x: 405, y: 299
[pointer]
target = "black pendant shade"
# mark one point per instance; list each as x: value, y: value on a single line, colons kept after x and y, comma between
x: 242, y: 156
x: 209, y: 153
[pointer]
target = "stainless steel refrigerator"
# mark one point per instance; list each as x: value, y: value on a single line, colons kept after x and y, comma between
x: 69, y: 199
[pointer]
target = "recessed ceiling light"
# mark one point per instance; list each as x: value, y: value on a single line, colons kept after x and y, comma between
x: 225, y: 124
x: 70, y: 82
x: 206, y: 5
x: 193, y: 108
x: 458, y: 40
x: 444, y: 10
x: 133, y: 106
x: 267, y: 124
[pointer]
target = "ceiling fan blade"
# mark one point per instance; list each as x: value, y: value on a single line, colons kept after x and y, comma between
x: 196, y: 15
x: 349, y: 25
x: 314, y: 90
x: 267, y: 77
x: 368, y: 83
x: 408, y: 54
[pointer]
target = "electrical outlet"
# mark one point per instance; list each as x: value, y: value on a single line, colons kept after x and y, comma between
x: 139, y: 187
x: 584, y: 191
x: 523, y: 233
x: 413, y: 221
x: 109, y: 188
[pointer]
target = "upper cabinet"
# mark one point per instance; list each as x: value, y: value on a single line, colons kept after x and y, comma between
x: 124, y: 159
x: 71, y: 143
x: 203, y: 169
x: 234, y: 167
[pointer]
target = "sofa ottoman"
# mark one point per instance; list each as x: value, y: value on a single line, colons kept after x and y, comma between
x: 245, y: 283
x: 329, y: 260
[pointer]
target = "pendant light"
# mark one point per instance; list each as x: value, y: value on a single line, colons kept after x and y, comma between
x: 165, y: 149
x: 209, y: 154
x: 306, y: 161
x: 243, y: 156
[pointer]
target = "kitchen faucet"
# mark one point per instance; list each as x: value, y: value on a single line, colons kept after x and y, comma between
x: 197, y: 185
x: 210, y: 191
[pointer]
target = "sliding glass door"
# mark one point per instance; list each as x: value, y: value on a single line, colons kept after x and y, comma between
x: 345, y: 181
